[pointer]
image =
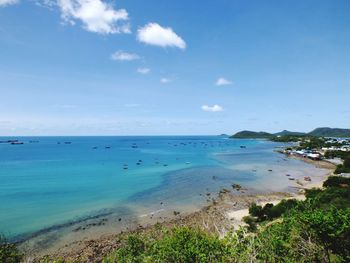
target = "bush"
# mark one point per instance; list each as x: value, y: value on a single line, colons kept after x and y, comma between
x: 133, y: 251
x: 181, y: 244
x: 9, y: 252
x: 336, y: 194
x: 269, y: 211
x: 340, y: 154
x: 331, y: 227
x: 256, y: 210
x: 251, y: 222
x: 341, y: 169
x: 336, y: 181
x: 282, y: 207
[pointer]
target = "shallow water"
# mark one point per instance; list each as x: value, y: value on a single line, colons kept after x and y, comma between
x: 49, y: 184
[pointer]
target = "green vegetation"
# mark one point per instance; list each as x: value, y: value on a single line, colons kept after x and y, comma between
x: 330, y: 132
x: 314, y: 230
x: 345, y: 167
x: 252, y: 135
x: 318, y: 132
x: 289, y: 133
x: 305, y: 142
x: 181, y: 244
x: 287, y: 138
x: 341, y: 168
x: 336, y: 154
x: 270, y: 211
x: 310, y: 143
x: 9, y: 252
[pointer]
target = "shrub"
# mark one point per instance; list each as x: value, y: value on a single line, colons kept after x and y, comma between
x: 256, y: 210
x: 282, y: 207
x: 9, y: 252
x: 181, y: 244
x: 336, y: 181
x: 332, y: 228
x: 251, y: 222
x: 270, y: 211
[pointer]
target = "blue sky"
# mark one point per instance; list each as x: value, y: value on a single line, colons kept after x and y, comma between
x: 94, y: 67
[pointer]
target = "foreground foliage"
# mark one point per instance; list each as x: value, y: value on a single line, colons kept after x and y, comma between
x: 177, y: 245
x: 9, y: 252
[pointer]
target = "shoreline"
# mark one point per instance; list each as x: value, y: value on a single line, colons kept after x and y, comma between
x: 224, y: 213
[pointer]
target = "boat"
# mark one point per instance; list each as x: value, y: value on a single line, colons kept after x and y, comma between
x: 16, y: 143
x: 9, y: 141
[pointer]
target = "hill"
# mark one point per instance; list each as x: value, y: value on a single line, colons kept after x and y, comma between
x: 252, y: 135
x: 322, y: 132
x: 330, y: 132
x: 285, y: 132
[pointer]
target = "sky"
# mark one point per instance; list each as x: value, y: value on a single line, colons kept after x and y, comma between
x: 184, y: 67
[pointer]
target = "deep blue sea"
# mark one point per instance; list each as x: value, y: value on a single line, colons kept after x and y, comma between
x: 51, y: 181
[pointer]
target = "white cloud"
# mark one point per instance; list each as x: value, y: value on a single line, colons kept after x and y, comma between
x: 214, y: 108
x: 154, y: 34
x: 49, y: 4
x: 96, y: 16
x: 143, y: 70
x: 8, y: 2
x: 124, y: 56
x: 165, y: 80
x: 223, y: 82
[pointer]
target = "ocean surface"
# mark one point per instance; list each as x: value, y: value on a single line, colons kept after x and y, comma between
x: 51, y: 182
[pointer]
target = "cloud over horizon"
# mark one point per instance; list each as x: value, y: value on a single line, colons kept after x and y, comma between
x: 156, y: 35
x: 95, y: 15
x: 214, y: 108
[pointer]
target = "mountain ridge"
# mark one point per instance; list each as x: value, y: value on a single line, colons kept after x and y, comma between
x: 322, y: 131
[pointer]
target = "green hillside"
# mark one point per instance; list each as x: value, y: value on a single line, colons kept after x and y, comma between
x: 330, y: 132
x: 252, y: 135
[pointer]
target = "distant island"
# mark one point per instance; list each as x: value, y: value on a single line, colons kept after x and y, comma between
x: 323, y: 131
x: 252, y: 135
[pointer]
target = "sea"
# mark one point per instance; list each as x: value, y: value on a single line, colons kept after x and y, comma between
x: 51, y: 184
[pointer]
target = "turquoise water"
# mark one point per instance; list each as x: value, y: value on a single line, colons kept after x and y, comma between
x: 50, y: 181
